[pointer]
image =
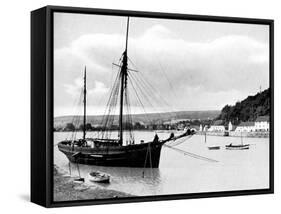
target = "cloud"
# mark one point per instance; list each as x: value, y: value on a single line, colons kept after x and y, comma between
x: 157, y: 32
x: 76, y: 88
x: 202, y: 74
x: 99, y: 89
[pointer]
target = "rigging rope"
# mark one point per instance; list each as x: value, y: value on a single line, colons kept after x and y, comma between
x: 139, y: 99
x: 111, y: 107
x: 129, y: 121
x: 141, y: 87
x: 150, y: 93
x: 108, y: 118
x: 170, y: 85
x: 145, y: 96
x: 151, y: 90
x: 179, y: 141
x: 76, y: 118
x: 149, y: 85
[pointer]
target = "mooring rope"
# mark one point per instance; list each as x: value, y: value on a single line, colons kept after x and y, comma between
x: 191, y: 154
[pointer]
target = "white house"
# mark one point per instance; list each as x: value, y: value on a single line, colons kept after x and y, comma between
x: 217, y: 126
x: 205, y: 128
x: 262, y: 123
x: 230, y: 126
x: 246, y: 127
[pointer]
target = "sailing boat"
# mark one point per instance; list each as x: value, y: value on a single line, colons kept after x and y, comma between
x: 241, y: 146
x: 211, y: 147
x: 106, y: 151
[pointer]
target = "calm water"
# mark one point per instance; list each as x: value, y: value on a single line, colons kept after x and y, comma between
x: 177, y: 173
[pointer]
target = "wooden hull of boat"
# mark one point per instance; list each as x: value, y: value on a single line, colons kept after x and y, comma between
x: 237, y: 147
x: 99, y: 178
x: 136, y: 155
x: 102, y: 181
x: 105, y: 180
x: 214, y: 147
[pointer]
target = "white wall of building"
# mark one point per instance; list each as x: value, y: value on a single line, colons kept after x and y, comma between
x: 245, y: 129
x: 262, y: 126
x: 230, y: 126
x: 216, y: 128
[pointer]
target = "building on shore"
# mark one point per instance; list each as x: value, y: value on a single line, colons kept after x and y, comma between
x: 262, y: 123
x: 200, y: 128
x: 258, y: 128
x: 217, y: 126
x: 245, y: 127
x: 231, y: 127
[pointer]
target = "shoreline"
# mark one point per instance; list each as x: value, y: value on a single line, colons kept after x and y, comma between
x: 218, y: 134
x: 221, y: 134
x: 65, y: 189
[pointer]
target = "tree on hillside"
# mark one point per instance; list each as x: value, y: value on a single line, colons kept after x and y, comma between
x: 88, y: 127
x: 246, y: 110
x: 69, y: 127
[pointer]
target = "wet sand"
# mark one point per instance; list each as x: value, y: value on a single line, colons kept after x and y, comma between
x: 66, y: 189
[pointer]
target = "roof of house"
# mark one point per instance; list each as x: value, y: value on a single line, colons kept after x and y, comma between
x: 246, y: 124
x: 262, y: 119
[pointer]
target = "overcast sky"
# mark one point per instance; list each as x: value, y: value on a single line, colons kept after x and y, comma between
x: 191, y: 65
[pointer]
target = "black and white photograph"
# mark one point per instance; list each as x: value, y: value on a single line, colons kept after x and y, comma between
x: 147, y: 106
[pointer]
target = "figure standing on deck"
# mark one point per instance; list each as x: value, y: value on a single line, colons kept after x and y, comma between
x: 172, y: 135
x: 156, y: 138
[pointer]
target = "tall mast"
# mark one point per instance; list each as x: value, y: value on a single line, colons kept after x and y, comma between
x: 124, y: 75
x: 84, y: 102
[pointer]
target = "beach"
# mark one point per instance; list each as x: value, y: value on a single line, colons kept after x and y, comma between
x: 65, y: 189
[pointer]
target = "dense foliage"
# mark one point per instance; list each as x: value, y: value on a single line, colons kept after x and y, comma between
x: 248, y: 109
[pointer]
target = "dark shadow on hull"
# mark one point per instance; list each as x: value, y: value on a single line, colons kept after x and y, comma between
x: 124, y: 156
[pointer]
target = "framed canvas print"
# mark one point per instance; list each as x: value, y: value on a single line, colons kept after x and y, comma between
x: 134, y: 106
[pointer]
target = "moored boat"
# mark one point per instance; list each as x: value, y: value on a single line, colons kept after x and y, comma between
x: 110, y: 153
x: 214, y: 147
x: 211, y: 147
x: 79, y: 180
x: 237, y: 147
x: 241, y: 146
x: 99, y: 177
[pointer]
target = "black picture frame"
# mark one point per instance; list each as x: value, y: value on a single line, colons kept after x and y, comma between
x: 42, y: 104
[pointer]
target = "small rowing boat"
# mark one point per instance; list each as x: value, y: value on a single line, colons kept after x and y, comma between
x: 214, y: 147
x: 99, y: 177
x: 211, y: 147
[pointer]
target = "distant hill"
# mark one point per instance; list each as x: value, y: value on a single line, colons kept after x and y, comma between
x: 145, y: 118
x: 248, y: 109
